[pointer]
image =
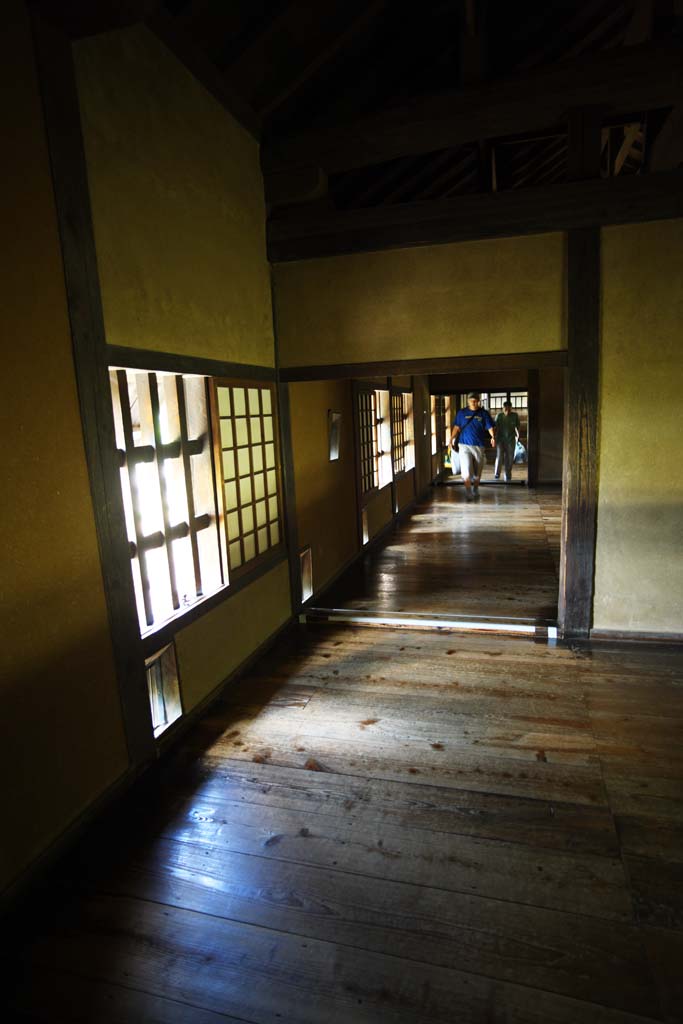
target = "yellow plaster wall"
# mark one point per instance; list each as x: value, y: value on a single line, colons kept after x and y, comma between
x: 62, y: 735
x: 639, y: 555
x: 499, y: 295
x: 379, y: 511
x: 178, y: 208
x: 405, y: 489
x: 325, y: 491
x: 210, y: 648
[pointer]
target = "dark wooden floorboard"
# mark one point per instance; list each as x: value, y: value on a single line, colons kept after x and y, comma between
x: 378, y: 825
x: 496, y: 557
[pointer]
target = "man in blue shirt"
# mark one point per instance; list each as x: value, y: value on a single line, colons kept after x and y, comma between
x: 473, y: 430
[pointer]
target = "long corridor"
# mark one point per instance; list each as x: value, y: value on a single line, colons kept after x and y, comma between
x: 496, y: 558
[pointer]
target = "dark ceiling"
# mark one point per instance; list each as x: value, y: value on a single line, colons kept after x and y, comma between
x: 305, y: 67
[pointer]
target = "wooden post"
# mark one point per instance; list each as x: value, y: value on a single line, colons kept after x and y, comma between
x: 289, y: 497
x: 533, y: 431
x: 580, y: 476
x: 54, y: 62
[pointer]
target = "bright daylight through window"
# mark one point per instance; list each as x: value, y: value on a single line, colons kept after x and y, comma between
x: 176, y: 521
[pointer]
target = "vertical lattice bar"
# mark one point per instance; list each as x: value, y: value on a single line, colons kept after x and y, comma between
x: 187, y: 469
x: 163, y: 489
x: 124, y: 400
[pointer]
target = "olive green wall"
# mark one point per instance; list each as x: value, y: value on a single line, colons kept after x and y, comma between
x: 63, y: 741
x: 325, y: 491
x: 470, y: 298
x: 639, y: 554
x: 210, y: 648
x: 178, y: 208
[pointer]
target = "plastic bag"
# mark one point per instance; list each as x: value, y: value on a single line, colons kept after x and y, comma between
x: 520, y: 452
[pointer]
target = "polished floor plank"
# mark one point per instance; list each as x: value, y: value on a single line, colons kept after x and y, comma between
x: 377, y: 825
x: 496, y: 557
x: 256, y: 974
x: 578, y: 956
x: 529, y: 822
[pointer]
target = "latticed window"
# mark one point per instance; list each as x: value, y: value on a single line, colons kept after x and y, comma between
x: 398, y: 433
x: 248, y: 469
x: 402, y: 431
x: 367, y: 422
x: 163, y: 439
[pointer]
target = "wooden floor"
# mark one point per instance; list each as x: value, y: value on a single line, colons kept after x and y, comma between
x: 388, y: 826
x: 494, y: 558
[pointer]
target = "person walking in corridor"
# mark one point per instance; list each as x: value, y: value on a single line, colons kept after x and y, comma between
x: 473, y: 430
x: 507, y: 436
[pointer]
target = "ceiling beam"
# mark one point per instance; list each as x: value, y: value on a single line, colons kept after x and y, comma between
x: 299, y: 234
x: 631, y: 78
x: 322, y: 56
x: 204, y: 70
x: 80, y: 18
x: 667, y: 151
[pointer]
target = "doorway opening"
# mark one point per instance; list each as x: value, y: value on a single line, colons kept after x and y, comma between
x: 441, y: 561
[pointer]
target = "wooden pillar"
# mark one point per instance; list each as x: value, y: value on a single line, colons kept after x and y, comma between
x: 534, y: 434
x: 580, y: 473
x: 54, y: 62
x: 289, y: 496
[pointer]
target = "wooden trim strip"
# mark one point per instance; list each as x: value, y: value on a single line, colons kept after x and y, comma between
x: 438, y: 364
x: 154, y: 641
x: 299, y: 234
x: 56, y: 75
x: 636, y: 637
x: 174, y: 362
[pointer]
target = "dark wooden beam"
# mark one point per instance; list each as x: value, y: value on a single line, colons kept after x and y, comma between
x: 79, y: 18
x: 580, y: 474
x: 322, y: 55
x: 287, y: 469
x: 667, y: 150
x: 580, y: 442
x: 204, y: 70
x: 439, y: 364
x: 173, y: 362
x: 634, y: 78
x: 299, y: 234
x: 533, y: 431
x: 62, y: 118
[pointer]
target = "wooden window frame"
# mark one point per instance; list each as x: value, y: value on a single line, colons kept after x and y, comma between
x: 247, y: 565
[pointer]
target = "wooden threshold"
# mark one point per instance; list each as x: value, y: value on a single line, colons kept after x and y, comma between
x: 539, y: 628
